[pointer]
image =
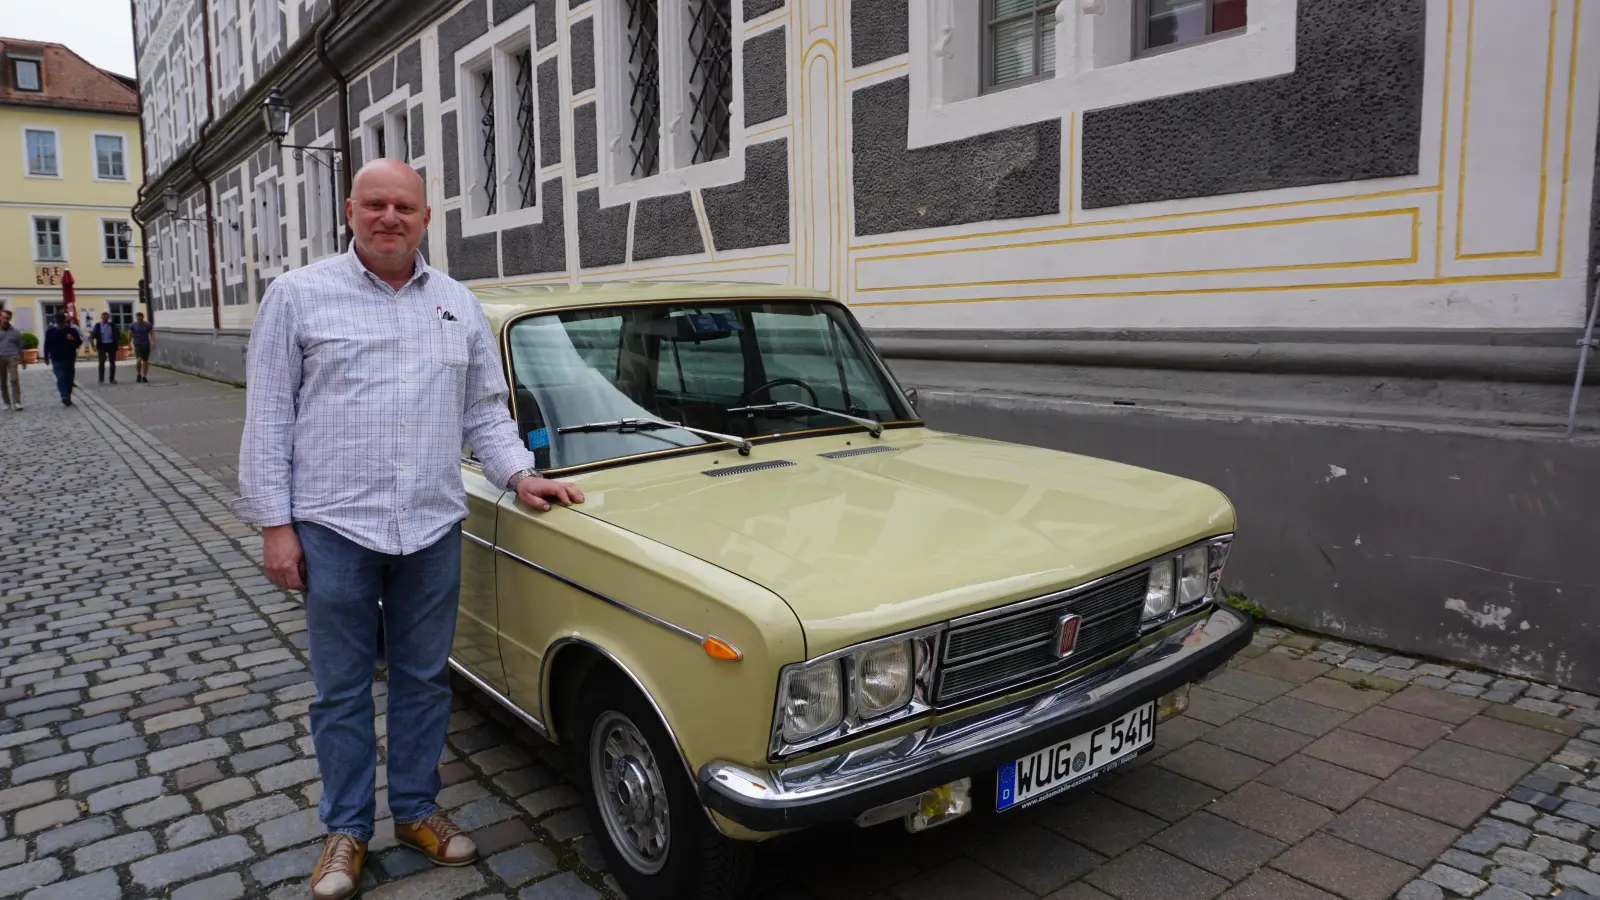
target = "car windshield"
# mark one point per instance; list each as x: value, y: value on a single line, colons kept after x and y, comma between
x: 736, y: 369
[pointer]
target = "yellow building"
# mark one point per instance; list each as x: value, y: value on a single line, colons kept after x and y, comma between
x: 70, y: 172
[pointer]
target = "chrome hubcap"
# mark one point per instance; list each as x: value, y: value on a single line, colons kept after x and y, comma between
x: 631, y: 794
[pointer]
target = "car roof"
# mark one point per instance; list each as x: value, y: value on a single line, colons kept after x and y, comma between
x: 503, y: 302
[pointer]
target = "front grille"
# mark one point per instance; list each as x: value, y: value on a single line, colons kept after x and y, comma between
x: 1005, y: 651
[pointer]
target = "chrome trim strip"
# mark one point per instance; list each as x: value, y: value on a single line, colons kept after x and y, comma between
x: 865, y: 767
x: 654, y: 620
x: 500, y: 698
x: 477, y: 540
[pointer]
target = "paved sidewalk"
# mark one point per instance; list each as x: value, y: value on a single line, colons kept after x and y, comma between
x: 154, y: 740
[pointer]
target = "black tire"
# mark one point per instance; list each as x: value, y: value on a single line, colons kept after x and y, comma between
x: 699, y: 863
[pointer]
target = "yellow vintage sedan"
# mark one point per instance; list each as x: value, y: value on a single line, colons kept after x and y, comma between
x: 788, y: 602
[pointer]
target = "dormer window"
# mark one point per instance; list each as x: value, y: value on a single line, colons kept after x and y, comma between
x: 25, y: 74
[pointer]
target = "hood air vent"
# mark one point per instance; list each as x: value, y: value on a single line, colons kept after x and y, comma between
x: 856, y: 451
x: 748, y: 467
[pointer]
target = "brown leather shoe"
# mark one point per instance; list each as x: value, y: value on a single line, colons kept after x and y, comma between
x: 338, y: 873
x: 438, y: 838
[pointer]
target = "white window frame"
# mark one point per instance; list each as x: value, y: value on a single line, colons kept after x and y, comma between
x: 322, y: 225
x: 38, y: 69
x: 178, y: 78
x: 389, y: 116
x: 496, y: 52
x: 232, y: 231
x: 269, y: 26
x: 33, y: 238
x: 105, y: 258
x: 269, y: 218
x: 199, y: 88
x: 676, y: 172
x: 1095, y: 65
x: 117, y: 317
x: 55, y: 136
x: 94, y: 138
x: 229, y: 47
x: 185, y: 254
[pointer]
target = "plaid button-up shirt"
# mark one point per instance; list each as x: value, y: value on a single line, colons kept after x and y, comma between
x: 359, y: 397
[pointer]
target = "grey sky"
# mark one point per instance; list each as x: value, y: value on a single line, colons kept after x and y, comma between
x: 100, y: 31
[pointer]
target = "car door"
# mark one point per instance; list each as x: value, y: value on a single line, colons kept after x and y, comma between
x: 477, y: 641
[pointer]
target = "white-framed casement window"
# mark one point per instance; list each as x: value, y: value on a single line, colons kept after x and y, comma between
x: 27, y: 73
x: 386, y: 128
x: 49, y: 239
x: 499, y: 127
x: 232, y: 232
x: 116, y: 242
x: 198, y: 88
x: 41, y: 156
x: 322, y: 219
x: 121, y: 313
x: 163, y: 118
x: 110, y: 156
x: 185, y: 231
x: 268, y: 26
x: 178, y: 66
x: 230, y: 57
x: 672, y: 107
x: 979, y: 66
x: 198, y: 253
x: 269, y: 214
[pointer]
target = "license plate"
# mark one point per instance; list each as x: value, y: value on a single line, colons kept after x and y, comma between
x: 1072, y: 762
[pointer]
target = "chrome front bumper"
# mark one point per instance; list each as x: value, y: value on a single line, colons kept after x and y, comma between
x: 842, y: 786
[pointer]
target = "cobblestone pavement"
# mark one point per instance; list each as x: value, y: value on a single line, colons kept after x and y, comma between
x: 154, y: 742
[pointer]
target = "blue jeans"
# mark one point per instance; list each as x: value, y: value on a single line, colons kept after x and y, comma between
x: 64, y: 369
x: 420, y: 593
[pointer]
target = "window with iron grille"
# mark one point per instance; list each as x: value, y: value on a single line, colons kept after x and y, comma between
x: 527, y: 133
x: 487, y: 188
x: 643, y: 87
x: 710, y: 79
x: 498, y: 99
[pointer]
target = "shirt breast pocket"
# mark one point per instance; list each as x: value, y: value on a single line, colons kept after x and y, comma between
x: 451, y: 346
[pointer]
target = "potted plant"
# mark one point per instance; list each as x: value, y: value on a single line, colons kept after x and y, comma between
x: 30, y: 347
x: 123, y: 344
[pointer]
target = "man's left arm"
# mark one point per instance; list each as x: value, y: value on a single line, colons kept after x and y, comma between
x: 487, y: 424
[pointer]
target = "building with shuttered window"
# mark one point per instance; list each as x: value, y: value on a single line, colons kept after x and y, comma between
x: 1332, y: 256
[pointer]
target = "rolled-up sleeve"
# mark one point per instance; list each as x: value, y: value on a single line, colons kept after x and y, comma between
x: 485, y: 416
x: 266, y: 450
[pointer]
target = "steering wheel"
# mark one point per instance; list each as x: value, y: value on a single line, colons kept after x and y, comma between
x: 776, y: 382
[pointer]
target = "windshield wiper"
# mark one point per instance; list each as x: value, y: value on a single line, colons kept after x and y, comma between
x: 790, y: 406
x: 624, y: 426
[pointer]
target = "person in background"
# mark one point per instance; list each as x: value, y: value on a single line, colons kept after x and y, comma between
x: 142, y: 341
x: 106, y: 335
x: 61, y: 343
x: 10, y: 359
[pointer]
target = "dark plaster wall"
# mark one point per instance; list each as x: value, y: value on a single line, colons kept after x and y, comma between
x: 549, y: 113
x: 766, y: 77
x: 467, y: 25
x: 417, y: 132
x: 544, y: 23
x: 755, y: 8
x: 408, y: 67
x: 583, y: 55
x: 219, y: 356
x: 879, y: 29
x: 754, y: 212
x: 1352, y: 109
x: 450, y: 146
x: 602, y: 232
x: 1003, y: 175
x: 584, y: 140
x: 360, y: 98
x: 541, y: 247
x: 666, y: 226
x: 382, y: 78
x: 505, y: 9
x: 471, y: 257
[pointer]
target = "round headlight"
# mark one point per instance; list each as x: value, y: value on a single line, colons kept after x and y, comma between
x: 1193, y: 577
x: 883, y: 679
x: 1158, y: 596
x: 813, y: 701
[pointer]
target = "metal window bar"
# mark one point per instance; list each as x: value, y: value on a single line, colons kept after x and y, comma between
x: 644, y: 100
x: 490, y: 177
x: 527, y: 131
x: 711, y: 78
x: 1041, y: 16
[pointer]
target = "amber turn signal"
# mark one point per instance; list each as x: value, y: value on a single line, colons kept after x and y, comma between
x: 717, y: 648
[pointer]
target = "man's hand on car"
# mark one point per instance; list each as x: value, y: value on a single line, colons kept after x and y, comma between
x: 538, y: 492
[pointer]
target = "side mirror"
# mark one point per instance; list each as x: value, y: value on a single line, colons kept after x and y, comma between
x: 911, y: 397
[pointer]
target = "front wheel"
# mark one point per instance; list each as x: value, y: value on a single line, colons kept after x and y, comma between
x: 656, y: 838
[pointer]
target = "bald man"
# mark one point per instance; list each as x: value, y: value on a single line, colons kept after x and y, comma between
x: 366, y: 372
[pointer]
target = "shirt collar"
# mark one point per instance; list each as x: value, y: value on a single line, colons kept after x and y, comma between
x: 419, y: 268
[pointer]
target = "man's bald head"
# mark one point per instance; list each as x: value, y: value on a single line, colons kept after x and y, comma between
x: 388, y: 212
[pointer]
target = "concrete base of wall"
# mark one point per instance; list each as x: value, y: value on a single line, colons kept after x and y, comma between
x: 211, y: 354
x: 1459, y: 544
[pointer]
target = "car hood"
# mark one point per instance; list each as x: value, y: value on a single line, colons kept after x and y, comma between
x: 931, y: 527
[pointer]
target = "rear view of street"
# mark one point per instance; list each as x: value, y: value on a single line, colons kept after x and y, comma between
x: 155, y: 742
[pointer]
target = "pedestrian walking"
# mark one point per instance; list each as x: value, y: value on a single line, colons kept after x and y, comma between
x: 106, y: 336
x: 10, y: 362
x: 365, y: 373
x: 143, y: 340
x: 61, y: 343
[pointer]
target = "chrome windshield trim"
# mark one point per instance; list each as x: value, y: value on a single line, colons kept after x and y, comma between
x: 654, y: 620
x: 865, y: 767
x: 526, y: 718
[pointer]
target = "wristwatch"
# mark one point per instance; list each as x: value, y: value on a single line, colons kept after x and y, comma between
x: 517, y: 478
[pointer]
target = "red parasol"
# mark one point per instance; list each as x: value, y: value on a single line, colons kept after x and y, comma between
x: 69, y: 300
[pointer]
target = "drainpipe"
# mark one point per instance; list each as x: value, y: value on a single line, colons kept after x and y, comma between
x: 205, y: 186
x: 144, y: 179
x: 343, y: 97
